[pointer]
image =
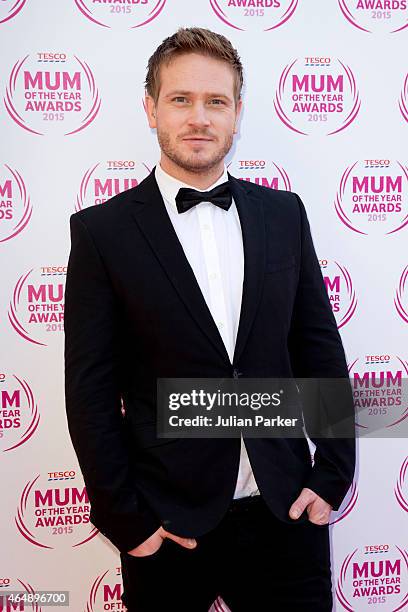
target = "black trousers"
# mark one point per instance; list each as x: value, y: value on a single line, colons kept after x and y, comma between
x: 254, y: 561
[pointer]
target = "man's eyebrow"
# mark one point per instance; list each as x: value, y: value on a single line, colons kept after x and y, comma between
x: 219, y: 95
x: 179, y: 92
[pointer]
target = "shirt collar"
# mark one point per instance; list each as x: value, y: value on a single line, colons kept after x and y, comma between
x: 169, y: 185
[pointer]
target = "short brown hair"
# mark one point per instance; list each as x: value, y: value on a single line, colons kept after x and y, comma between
x: 193, y: 40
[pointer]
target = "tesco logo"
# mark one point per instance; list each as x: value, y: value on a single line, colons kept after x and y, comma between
x: 250, y: 163
x: 66, y: 474
x: 54, y: 269
x: 377, y: 358
x: 377, y: 162
x: 52, y: 57
x: 318, y: 60
x: 377, y: 548
x: 121, y: 164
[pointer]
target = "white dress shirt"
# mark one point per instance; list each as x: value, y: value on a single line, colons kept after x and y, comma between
x: 212, y: 242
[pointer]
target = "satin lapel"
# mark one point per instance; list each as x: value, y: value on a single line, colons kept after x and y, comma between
x: 152, y: 218
x: 250, y: 211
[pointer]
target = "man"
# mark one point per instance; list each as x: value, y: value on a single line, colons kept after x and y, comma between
x: 222, y: 281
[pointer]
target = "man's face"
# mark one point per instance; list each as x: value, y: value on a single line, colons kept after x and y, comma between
x: 195, y: 114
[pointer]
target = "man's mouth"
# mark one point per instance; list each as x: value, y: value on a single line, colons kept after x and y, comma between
x: 197, y: 138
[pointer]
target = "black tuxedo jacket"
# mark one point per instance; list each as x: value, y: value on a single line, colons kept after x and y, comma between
x: 134, y: 312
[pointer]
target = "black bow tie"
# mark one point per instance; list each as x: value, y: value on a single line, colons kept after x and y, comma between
x: 220, y: 196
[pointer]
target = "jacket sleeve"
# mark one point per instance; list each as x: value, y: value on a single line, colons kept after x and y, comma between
x: 317, y: 354
x: 92, y: 396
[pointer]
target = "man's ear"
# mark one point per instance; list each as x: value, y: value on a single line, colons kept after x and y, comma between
x: 237, y: 115
x: 150, y: 108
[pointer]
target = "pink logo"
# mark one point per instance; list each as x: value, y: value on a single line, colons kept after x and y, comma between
x: 36, y: 310
x: 19, y: 416
x: 55, y: 516
x: 375, y: 574
x: 219, y: 605
x: 401, y: 491
x: 317, y: 95
x: 401, y: 296
x: 105, y: 591
x: 403, y: 101
x: 106, y: 179
x: 13, y: 585
x: 340, y: 290
x: 373, y: 197
x: 52, y: 93
x: 121, y: 14
x: 263, y: 172
x: 375, y: 15
x: 15, y: 205
x: 10, y: 8
x: 380, y: 395
x: 254, y: 14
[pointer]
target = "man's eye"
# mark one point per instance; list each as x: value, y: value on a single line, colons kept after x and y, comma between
x: 217, y: 101
x: 179, y: 99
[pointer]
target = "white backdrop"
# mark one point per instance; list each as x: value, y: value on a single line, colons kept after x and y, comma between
x: 326, y: 115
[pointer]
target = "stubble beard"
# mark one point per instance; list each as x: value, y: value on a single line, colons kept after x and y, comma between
x: 193, y: 163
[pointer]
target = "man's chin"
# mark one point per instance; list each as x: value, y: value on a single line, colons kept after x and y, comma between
x: 196, y: 164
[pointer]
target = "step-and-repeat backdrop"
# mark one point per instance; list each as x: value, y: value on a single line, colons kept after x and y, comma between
x: 326, y: 116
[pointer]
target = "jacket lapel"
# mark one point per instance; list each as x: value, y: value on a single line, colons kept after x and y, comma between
x: 153, y: 221
x: 250, y: 211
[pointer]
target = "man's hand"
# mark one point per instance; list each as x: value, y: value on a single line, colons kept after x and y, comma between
x: 153, y: 543
x: 317, y: 508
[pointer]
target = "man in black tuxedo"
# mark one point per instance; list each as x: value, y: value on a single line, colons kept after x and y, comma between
x: 195, y: 274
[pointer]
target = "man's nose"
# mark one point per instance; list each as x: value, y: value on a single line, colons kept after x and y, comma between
x: 198, y: 115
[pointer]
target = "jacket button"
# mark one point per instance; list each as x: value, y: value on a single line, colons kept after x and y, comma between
x: 235, y: 373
